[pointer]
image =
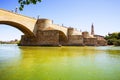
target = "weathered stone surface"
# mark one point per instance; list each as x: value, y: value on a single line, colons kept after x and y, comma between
x: 43, y: 32
x: 101, y: 42
x: 23, y: 23
x: 75, y: 40
x: 48, y: 37
x: 85, y: 34
x: 90, y: 41
x: 28, y: 40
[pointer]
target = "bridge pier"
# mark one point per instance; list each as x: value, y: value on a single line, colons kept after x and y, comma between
x: 44, y: 35
x: 28, y: 40
x: 42, y: 38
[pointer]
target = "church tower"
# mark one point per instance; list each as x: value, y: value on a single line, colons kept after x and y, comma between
x: 92, y: 29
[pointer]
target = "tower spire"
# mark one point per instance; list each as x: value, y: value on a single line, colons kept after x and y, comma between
x: 92, y: 29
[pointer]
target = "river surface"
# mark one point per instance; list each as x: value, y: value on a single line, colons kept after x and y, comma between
x: 59, y: 63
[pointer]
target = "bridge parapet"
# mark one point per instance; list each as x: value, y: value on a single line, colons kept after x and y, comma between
x: 61, y: 28
x: 23, y: 23
x: 46, y: 24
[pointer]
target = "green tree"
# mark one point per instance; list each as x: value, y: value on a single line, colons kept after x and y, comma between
x: 27, y: 2
x: 117, y: 42
x: 119, y: 35
x: 113, y: 39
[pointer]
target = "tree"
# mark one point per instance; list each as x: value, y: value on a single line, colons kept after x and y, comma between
x: 27, y: 2
x: 113, y: 39
x: 117, y: 43
x: 119, y: 35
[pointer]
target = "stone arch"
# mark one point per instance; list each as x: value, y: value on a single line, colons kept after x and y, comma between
x: 19, y: 26
x: 62, y: 37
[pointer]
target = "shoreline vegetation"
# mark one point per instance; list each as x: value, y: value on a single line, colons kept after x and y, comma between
x: 113, y: 38
x: 10, y: 42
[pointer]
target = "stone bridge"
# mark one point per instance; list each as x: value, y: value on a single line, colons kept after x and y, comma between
x: 24, y: 23
x: 42, y: 32
x: 29, y: 26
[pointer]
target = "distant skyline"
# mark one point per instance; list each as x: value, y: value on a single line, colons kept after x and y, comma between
x: 79, y: 14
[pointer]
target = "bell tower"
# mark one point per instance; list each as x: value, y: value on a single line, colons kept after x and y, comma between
x: 92, y: 29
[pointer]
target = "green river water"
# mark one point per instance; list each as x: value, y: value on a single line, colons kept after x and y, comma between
x: 59, y: 63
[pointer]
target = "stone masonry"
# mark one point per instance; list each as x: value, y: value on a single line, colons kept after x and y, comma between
x: 45, y: 35
x: 42, y: 32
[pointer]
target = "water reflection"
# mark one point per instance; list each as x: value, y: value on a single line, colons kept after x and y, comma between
x: 10, y: 57
x: 9, y: 53
x: 59, y: 63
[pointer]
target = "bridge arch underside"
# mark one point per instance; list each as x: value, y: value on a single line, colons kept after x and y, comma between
x: 62, y: 37
x: 19, y: 26
x: 58, y: 37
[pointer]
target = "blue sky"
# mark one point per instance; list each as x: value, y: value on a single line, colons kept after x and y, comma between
x: 80, y: 14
